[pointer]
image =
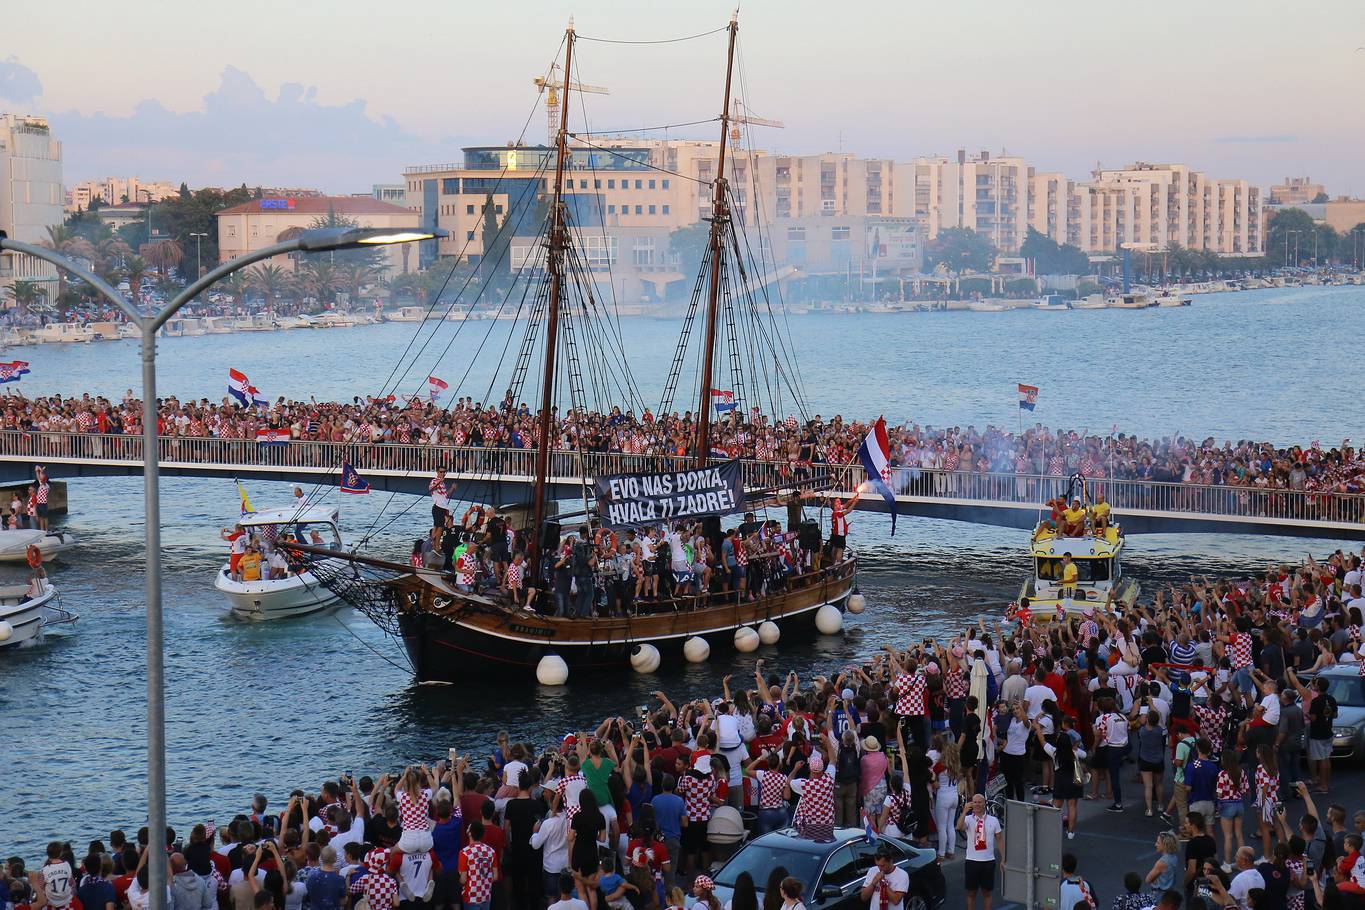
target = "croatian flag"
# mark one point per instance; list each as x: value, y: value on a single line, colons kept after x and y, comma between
x: 257, y: 399
x: 868, y: 830
x: 436, y: 388
x: 351, y: 481
x: 875, y: 454
x: 1028, y: 397
x: 272, y: 437
x: 239, y: 387
x: 723, y: 401
x: 13, y: 371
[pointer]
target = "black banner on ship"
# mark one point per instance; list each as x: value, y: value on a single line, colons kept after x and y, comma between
x: 624, y: 500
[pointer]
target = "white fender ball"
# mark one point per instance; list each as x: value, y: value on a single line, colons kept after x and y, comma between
x: 768, y: 632
x: 552, y: 671
x: 6, y: 630
x: 746, y: 640
x: 696, y: 649
x: 829, y: 620
x: 644, y: 658
x: 857, y: 603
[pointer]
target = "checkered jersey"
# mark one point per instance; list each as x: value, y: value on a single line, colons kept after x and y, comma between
x: 910, y: 700
x: 415, y: 816
x: 772, y: 789
x: 1210, y: 721
x: 380, y: 888
x: 697, y: 793
x: 816, y: 806
x: 479, y: 863
x: 1239, y: 650
x: 1267, y: 787
x: 955, y: 684
x: 514, y: 575
x: 568, y: 789
x: 1227, y: 788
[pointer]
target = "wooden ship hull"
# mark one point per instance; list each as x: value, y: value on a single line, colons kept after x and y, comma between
x: 452, y: 636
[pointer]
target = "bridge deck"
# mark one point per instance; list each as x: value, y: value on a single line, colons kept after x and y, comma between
x: 504, y: 476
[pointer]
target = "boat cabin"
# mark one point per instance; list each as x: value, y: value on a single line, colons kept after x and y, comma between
x: 269, y: 525
x: 1099, y: 570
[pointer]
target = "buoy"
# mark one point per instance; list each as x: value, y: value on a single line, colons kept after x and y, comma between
x: 768, y: 632
x: 6, y: 630
x: 829, y: 620
x: 644, y: 658
x: 552, y: 671
x: 696, y: 649
x: 746, y: 640
x: 857, y: 603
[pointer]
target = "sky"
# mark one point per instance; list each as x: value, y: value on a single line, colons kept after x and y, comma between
x: 343, y: 94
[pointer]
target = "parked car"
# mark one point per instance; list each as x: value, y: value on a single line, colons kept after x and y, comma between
x: 1346, y: 685
x: 832, y: 871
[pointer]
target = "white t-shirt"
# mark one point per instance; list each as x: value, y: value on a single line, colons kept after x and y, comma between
x: 1242, y: 883
x: 1271, y: 703
x: 511, y: 772
x: 572, y: 903
x: 981, y: 832
x: 439, y: 497
x: 1163, y: 710
x: 416, y: 872
x: 57, y: 883
x: 1034, y: 696
x: 1116, y: 730
x: 897, y: 880
x: 353, y: 835
x: 727, y: 732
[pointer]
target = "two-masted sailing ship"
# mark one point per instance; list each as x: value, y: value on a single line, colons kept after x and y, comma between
x: 450, y: 633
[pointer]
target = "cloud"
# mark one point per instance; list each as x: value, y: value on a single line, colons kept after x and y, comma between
x: 1255, y: 140
x: 18, y: 83
x: 240, y: 135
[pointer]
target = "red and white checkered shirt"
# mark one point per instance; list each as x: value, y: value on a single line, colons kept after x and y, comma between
x: 772, y: 789
x: 40, y: 495
x: 816, y: 806
x: 514, y: 575
x: 1267, y: 787
x: 1211, y: 722
x: 955, y: 684
x: 697, y: 793
x: 1239, y: 650
x: 910, y: 701
x: 568, y: 789
x: 415, y: 816
x: 380, y: 888
x: 479, y: 863
x: 1089, y: 629
x: 1227, y: 788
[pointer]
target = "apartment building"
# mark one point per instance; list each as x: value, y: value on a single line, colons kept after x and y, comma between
x: 989, y: 195
x: 30, y: 195
x: 261, y: 222
x: 1157, y: 206
x: 117, y: 191
x: 1296, y: 191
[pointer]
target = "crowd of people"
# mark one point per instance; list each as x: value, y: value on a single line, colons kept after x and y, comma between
x: 1220, y: 693
x: 1035, y: 451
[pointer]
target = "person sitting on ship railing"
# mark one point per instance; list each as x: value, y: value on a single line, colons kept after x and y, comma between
x: 1100, y: 512
x: 1072, y: 520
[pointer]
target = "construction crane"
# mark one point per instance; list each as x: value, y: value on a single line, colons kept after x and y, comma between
x: 553, y: 84
x: 738, y: 117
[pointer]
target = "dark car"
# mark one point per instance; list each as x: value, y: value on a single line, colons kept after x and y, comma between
x: 832, y: 871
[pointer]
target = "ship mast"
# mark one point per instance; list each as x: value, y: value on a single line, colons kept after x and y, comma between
x: 720, y: 219
x: 558, y: 240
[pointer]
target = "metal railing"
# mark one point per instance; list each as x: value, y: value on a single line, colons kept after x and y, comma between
x: 473, y: 462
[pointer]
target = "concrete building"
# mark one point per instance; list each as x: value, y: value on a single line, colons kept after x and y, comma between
x: 1157, y: 206
x: 261, y: 222
x: 1296, y: 191
x: 984, y: 194
x: 117, y: 191
x: 30, y: 195
x: 628, y: 195
x: 395, y: 193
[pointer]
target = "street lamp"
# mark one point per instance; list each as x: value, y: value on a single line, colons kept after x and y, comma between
x: 198, y: 261
x: 314, y: 241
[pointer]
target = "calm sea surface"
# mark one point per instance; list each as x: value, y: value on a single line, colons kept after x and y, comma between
x: 269, y: 707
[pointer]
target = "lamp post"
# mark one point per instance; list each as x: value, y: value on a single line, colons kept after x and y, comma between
x: 314, y: 241
x: 198, y: 261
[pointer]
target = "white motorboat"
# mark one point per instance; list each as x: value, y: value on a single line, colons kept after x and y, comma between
x: 1133, y: 301
x: 296, y: 593
x: 1170, y: 299
x: 986, y: 306
x: 63, y: 333
x: 1051, y: 303
x: 407, y: 314
x: 14, y: 543
x: 24, y: 615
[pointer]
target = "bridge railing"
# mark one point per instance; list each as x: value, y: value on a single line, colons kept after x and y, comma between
x: 476, y: 462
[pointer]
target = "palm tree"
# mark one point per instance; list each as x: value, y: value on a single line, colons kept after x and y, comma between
x: 164, y: 255
x: 353, y: 275
x: 64, y: 240
x: 236, y: 286
x: 135, y: 268
x: 272, y: 282
x: 25, y: 294
x: 320, y: 279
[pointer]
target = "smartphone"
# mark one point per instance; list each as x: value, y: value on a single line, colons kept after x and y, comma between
x: 454, y: 754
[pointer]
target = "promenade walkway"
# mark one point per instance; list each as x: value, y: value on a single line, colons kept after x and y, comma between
x: 505, y: 475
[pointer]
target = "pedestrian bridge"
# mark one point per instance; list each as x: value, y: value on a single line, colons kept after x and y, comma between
x: 504, y: 476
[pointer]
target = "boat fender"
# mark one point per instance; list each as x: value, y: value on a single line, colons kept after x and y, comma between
x: 768, y: 632
x: 552, y: 671
x: 829, y: 620
x: 6, y: 630
x: 696, y: 650
x: 746, y: 640
x: 644, y: 658
x: 857, y: 603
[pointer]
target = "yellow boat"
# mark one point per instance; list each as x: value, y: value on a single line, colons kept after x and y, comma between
x: 1097, y: 556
